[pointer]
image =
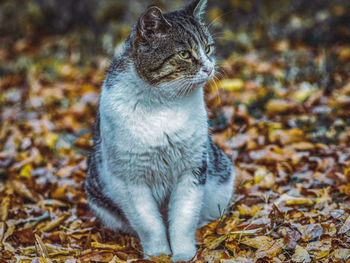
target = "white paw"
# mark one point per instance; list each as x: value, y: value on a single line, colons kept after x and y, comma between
x: 185, y: 254
x: 156, y: 250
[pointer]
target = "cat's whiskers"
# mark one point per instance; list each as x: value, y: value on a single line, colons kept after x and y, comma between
x: 218, y: 17
x: 217, y: 90
x: 221, y: 70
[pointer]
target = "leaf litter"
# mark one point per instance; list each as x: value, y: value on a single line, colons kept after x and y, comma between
x: 288, y: 137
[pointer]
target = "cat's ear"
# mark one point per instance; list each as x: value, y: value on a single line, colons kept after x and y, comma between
x: 152, y: 24
x: 197, y: 8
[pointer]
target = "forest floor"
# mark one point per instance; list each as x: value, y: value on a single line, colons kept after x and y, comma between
x: 282, y: 113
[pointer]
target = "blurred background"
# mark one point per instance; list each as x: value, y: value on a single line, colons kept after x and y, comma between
x: 98, y: 26
x: 279, y: 106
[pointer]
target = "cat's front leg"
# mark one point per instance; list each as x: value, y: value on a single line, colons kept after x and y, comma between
x: 142, y: 212
x: 184, y: 210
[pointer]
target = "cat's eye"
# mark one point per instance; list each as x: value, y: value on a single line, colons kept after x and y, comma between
x: 185, y: 54
x: 207, y: 49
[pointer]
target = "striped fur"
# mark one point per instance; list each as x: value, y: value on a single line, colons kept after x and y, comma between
x: 154, y: 171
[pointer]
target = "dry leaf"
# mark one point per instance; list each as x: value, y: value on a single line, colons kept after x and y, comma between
x: 280, y: 106
x: 231, y: 84
x: 21, y: 189
x: 301, y: 255
x: 257, y: 242
x: 41, y: 249
x: 270, y: 251
x: 4, y: 208
x: 51, y: 225
x: 345, y: 227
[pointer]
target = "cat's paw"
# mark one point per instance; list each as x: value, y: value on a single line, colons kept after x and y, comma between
x: 185, y: 254
x: 156, y: 250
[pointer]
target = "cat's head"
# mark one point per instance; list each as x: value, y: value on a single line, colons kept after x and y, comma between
x: 174, y: 51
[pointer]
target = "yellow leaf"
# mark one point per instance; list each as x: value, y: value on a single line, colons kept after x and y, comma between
x: 280, y: 106
x: 303, y: 146
x: 231, y: 84
x: 4, y: 208
x: 270, y: 251
x: 26, y: 171
x: 106, y: 246
x: 304, y: 92
x: 264, y: 178
x: 257, y: 242
x: 321, y: 254
x: 246, y: 210
x: 292, y: 200
x: 50, y: 139
x: 324, y: 196
x: 299, y: 201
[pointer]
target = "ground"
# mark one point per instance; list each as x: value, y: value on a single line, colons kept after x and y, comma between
x: 282, y: 113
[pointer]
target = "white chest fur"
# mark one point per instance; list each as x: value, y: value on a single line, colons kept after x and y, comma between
x: 152, y: 142
x: 151, y: 124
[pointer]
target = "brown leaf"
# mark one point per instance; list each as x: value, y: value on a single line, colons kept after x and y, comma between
x: 41, y: 249
x: 257, y: 242
x: 276, y: 216
x: 291, y: 238
x: 311, y: 232
x: 161, y: 259
x: 25, y: 236
x: 99, y: 256
x: 4, y: 208
x: 51, y: 225
x: 22, y: 190
x: 11, y: 225
x: 106, y: 246
x: 270, y: 251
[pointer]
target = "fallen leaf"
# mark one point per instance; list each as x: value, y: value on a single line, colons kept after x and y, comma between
x: 270, y: 251
x: 291, y: 238
x: 281, y: 106
x: 292, y: 200
x: 301, y: 255
x: 26, y: 171
x: 4, y: 208
x: 248, y: 211
x: 264, y: 178
x: 257, y: 242
x: 231, y: 84
x: 345, y: 227
x: 2, y: 231
x: 51, y: 225
x: 311, y: 231
x: 342, y: 253
x: 41, y: 249
x: 324, y: 196
x: 106, y: 246
x: 22, y: 189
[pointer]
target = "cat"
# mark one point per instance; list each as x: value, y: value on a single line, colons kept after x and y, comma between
x: 154, y: 171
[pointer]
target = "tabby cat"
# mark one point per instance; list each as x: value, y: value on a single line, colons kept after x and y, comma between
x: 154, y: 171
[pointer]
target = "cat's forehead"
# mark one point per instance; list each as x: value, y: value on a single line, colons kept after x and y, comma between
x: 187, y: 30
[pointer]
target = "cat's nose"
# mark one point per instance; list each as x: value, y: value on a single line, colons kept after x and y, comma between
x: 208, y: 70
